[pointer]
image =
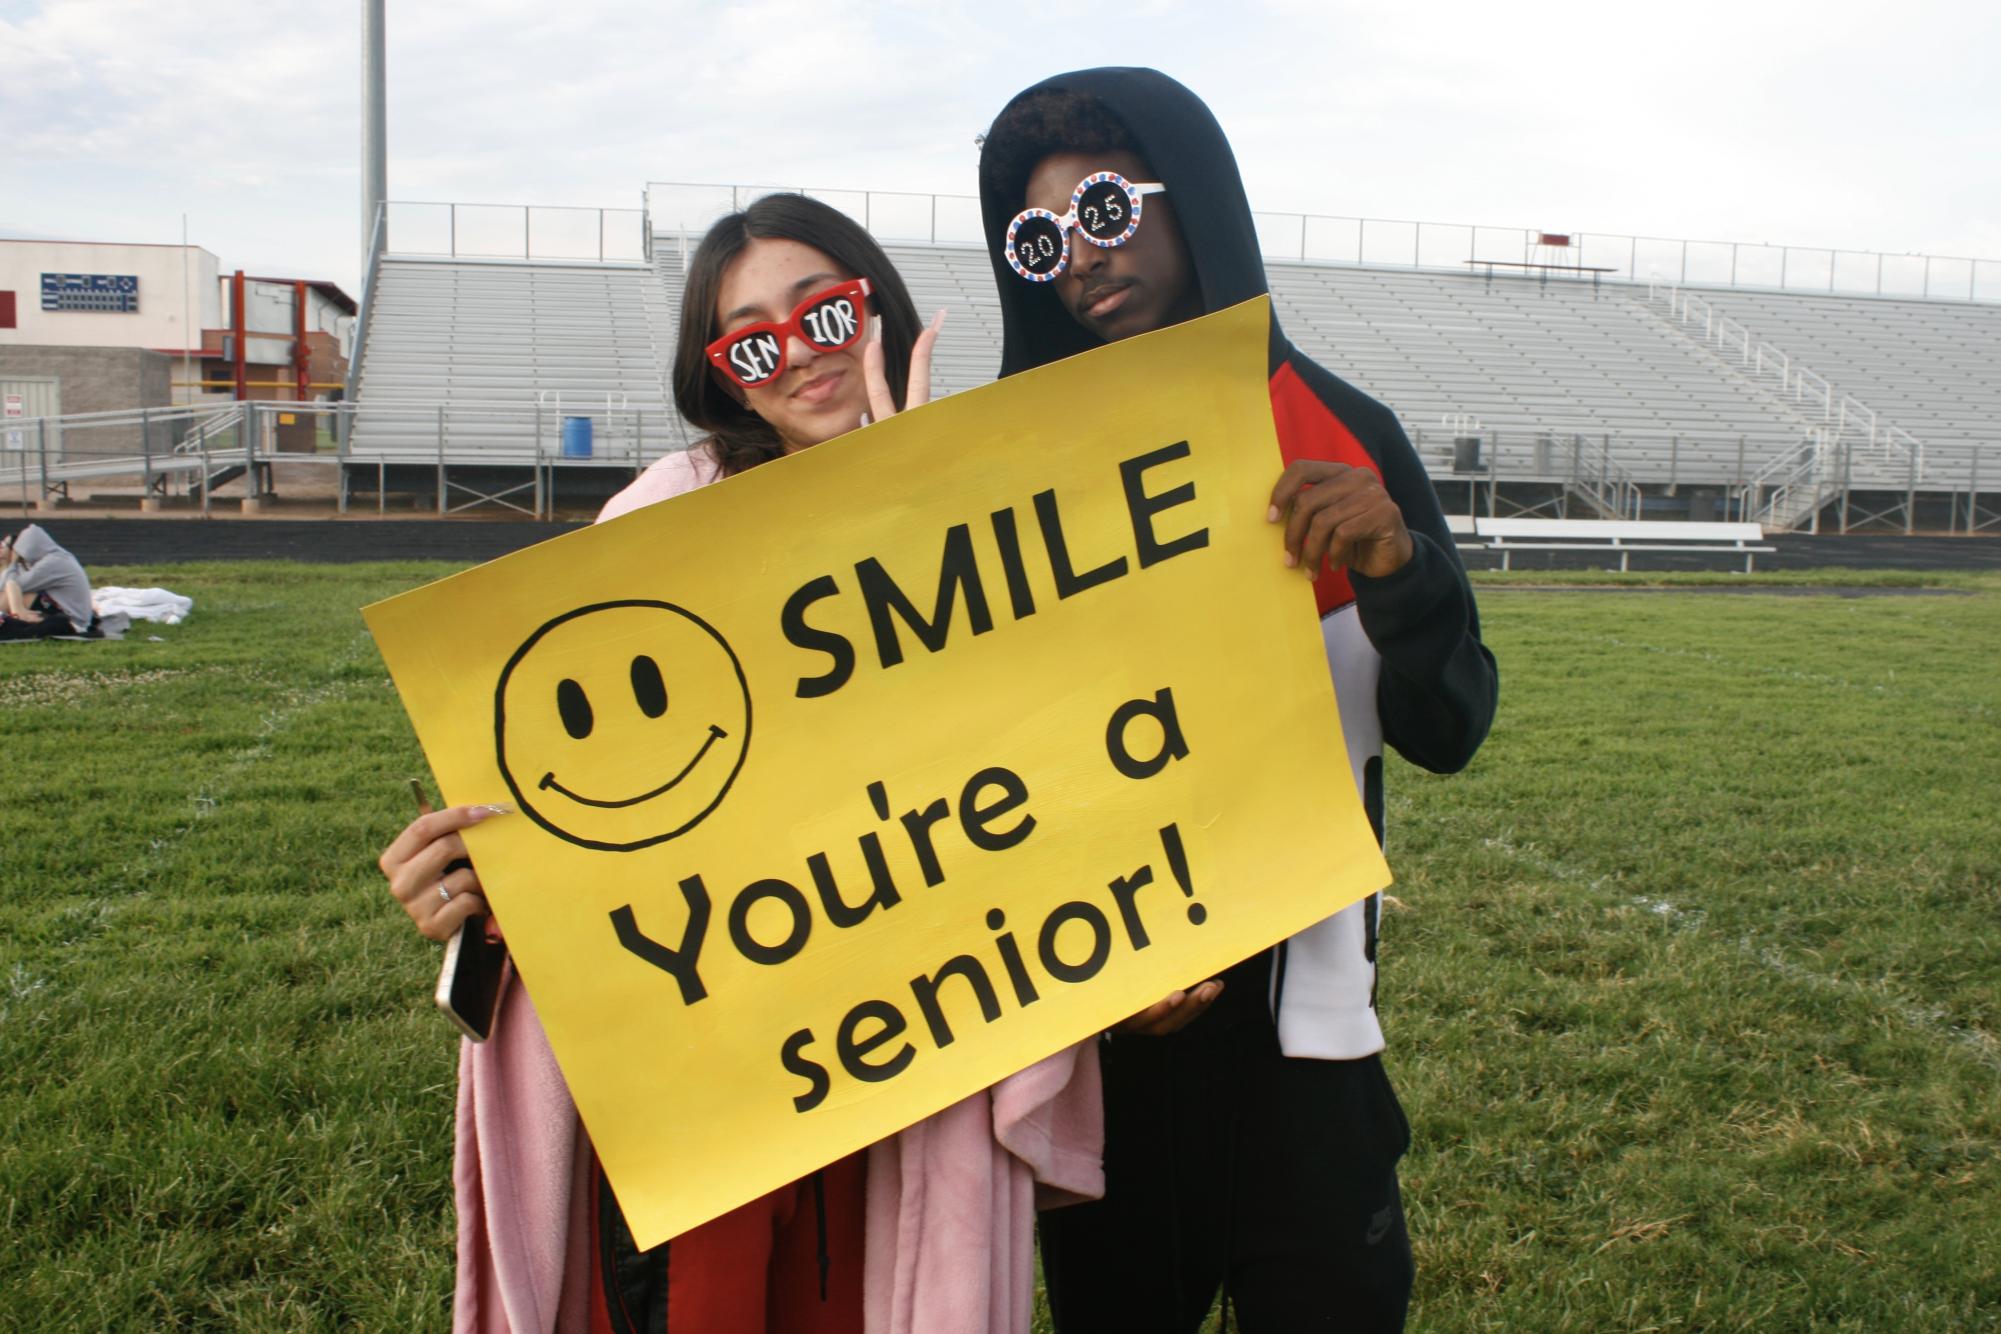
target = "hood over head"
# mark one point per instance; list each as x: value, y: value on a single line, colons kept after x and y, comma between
x: 31, y: 543
x: 48, y: 569
x: 1179, y: 138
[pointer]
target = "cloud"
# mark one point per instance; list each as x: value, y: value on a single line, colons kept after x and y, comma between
x: 1813, y: 123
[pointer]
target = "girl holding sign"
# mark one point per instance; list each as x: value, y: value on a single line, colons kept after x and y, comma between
x: 795, y: 328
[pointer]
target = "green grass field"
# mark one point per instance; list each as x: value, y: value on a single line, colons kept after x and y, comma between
x: 1693, y: 980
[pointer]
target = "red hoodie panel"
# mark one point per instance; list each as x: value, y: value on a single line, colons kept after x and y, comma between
x: 1308, y: 429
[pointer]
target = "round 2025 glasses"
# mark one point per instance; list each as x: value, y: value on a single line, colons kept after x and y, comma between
x: 1104, y: 210
x: 828, y: 320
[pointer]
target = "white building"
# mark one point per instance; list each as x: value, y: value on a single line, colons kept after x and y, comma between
x: 88, y: 294
x: 91, y: 326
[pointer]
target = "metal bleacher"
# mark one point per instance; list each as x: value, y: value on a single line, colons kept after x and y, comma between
x: 1514, y: 353
x: 959, y: 280
x: 1586, y: 388
x: 473, y: 355
x: 670, y: 275
x: 1931, y: 367
x: 1537, y: 366
x: 1535, y: 363
x: 1532, y: 357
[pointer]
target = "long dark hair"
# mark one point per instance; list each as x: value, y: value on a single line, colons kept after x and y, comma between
x: 740, y: 438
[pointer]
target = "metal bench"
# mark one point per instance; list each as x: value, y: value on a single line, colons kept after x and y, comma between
x: 1623, y: 536
x: 1464, y: 535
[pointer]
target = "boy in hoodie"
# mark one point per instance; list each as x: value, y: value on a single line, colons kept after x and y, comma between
x: 43, y: 590
x: 1251, y: 1135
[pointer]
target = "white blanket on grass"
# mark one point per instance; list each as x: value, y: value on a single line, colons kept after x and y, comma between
x: 143, y: 604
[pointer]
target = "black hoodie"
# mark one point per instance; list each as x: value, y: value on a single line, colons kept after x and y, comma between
x: 1409, y: 640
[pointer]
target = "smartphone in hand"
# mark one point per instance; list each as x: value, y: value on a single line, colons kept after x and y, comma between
x: 469, y: 978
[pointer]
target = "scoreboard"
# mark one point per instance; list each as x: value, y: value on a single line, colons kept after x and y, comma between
x: 114, y: 292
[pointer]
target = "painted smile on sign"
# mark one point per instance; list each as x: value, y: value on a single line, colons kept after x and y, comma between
x: 621, y: 725
x: 715, y: 734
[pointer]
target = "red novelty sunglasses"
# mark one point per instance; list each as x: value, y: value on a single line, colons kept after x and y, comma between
x: 828, y: 320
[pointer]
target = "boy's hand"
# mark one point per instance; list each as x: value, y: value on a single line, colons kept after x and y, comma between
x: 1334, y: 512
x: 1173, y: 1013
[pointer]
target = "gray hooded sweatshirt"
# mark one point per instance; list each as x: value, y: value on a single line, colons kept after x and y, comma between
x: 47, y: 568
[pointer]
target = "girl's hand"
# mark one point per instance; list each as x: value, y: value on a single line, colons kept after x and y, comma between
x: 881, y: 403
x: 1173, y: 1013
x: 416, y: 863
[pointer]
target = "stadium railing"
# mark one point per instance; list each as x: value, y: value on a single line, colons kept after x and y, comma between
x: 457, y: 452
x: 1604, y: 466
x: 188, y: 451
x: 514, y: 231
x: 681, y: 206
x: 1800, y: 383
x: 453, y: 452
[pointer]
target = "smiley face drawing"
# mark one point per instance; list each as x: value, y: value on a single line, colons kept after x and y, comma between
x: 622, y: 724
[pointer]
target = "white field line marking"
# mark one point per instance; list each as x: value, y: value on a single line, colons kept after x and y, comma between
x: 74, y: 689
x: 1931, y: 1020
x: 1755, y: 669
x: 1976, y: 709
x: 21, y: 986
x: 70, y: 689
x: 96, y: 915
x: 204, y: 797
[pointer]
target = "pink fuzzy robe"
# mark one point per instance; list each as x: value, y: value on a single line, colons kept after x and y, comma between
x: 950, y: 1244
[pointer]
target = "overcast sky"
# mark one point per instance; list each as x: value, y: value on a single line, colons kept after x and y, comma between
x: 1863, y: 126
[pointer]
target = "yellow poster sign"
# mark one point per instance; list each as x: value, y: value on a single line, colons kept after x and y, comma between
x: 855, y: 783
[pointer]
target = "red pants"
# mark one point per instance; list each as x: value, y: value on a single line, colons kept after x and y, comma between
x: 755, y: 1270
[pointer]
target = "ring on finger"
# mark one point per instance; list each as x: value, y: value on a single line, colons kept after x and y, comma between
x: 444, y: 895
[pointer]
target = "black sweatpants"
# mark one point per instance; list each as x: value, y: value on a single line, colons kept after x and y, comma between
x: 1226, y: 1161
x: 53, y: 622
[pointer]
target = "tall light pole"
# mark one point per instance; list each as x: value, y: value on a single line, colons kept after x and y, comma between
x: 374, y: 118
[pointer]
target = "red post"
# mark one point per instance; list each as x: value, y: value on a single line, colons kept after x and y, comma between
x: 236, y: 323
x: 301, y: 355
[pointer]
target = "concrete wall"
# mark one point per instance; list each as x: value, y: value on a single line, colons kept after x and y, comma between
x: 97, y: 379
x: 168, y: 306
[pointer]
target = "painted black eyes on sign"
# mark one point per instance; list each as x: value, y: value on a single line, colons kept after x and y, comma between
x: 604, y: 754
x: 615, y: 760
x: 961, y: 575
x: 573, y: 703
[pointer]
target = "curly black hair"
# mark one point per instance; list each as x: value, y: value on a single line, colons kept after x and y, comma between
x: 1037, y: 124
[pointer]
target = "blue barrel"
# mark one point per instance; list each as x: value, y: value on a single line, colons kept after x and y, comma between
x: 576, y: 437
